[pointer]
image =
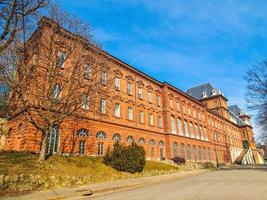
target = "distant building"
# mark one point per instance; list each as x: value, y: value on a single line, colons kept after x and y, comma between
x: 197, y: 125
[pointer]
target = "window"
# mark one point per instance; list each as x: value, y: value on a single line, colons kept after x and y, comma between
x: 101, y: 135
x: 200, y: 132
x: 205, y: 134
x: 188, y: 152
x: 130, y: 113
x: 198, y: 115
x: 85, y: 102
x: 173, y: 129
x: 158, y: 100
x: 129, y: 88
x: 182, y: 151
x: 204, y: 153
x: 195, y: 114
x: 189, y: 111
x: 151, y: 119
x: 57, y: 92
x: 195, y: 152
x: 152, y: 152
x: 171, y: 103
x: 140, y: 93
x: 82, y: 147
x: 104, y: 78
x: 191, y: 130
x: 185, y: 129
x: 142, y: 117
x: 100, y: 150
x: 116, y: 137
x: 175, y: 149
x: 53, y: 140
x: 142, y: 141
x: 177, y: 106
x: 199, y: 153
x: 103, y: 106
x: 179, y: 125
x: 61, y: 57
x: 117, y: 110
x: 130, y: 139
x: 184, y: 110
x: 82, y: 133
x: 117, y: 83
x: 209, y: 158
x: 149, y: 97
x: 87, y: 71
x: 159, y: 122
x: 196, y: 131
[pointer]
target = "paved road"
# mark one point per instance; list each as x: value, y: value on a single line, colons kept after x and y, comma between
x: 218, y: 185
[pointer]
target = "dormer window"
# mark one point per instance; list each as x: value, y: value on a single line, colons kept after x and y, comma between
x: 204, y: 94
x: 61, y: 57
x: 213, y: 92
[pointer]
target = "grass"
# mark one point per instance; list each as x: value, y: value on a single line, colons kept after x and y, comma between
x: 20, y: 172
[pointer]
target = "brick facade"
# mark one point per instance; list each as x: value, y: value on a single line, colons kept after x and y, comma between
x: 174, y: 123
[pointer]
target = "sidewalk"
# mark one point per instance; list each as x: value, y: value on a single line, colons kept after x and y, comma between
x: 97, y: 188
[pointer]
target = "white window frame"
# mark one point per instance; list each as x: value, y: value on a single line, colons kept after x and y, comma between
x: 61, y: 58
x: 140, y: 93
x: 151, y: 119
x: 149, y: 97
x: 57, y: 92
x: 103, y: 106
x: 104, y: 77
x: 129, y: 88
x: 85, y: 102
x: 130, y: 113
x: 117, y: 83
x: 142, y: 116
x: 117, y: 111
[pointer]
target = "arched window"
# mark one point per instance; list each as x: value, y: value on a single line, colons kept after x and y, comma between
x: 188, y: 150
x: 142, y: 141
x: 101, y: 135
x: 152, y: 142
x: 204, y: 153
x: 130, y: 139
x: 152, y: 148
x: 205, y: 134
x: 196, y: 131
x: 195, y: 152
x: 179, y: 125
x: 9, y: 132
x: 161, y: 150
x: 20, y: 128
x: 185, y: 129
x: 53, y: 140
x: 199, y: 153
x: 173, y: 129
x: 175, y: 149
x: 182, y: 151
x: 116, y: 137
x: 191, y: 130
x: 209, y: 158
x: 82, y: 132
x: 200, y: 132
x: 82, y: 147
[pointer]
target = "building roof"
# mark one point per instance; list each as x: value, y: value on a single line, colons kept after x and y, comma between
x: 235, y: 109
x: 235, y: 118
x: 203, y: 91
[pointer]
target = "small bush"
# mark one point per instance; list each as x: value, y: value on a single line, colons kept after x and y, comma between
x: 126, y: 158
x: 208, y: 165
x: 178, y: 160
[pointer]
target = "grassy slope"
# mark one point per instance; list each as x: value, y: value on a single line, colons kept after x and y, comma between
x: 25, y: 173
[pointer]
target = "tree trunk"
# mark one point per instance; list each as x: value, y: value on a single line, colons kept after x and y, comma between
x: 43, y: 146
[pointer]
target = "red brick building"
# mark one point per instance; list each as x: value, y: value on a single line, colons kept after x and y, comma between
x: 197, y: 124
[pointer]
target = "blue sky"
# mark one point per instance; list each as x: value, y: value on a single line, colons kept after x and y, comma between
x: 185, y: 43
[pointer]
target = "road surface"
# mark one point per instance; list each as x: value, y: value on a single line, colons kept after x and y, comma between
x: 217, y: 185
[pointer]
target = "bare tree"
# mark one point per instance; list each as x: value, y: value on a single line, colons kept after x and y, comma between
x: 256, y: 79
x: 56, y: 75
x: 13, y: 14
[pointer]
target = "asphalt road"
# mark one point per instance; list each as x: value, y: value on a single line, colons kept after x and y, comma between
x: 218, y: 185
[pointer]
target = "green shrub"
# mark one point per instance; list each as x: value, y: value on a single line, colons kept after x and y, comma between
x: 208, y: 165
x: 126, y: 158
x: 178, y: 160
